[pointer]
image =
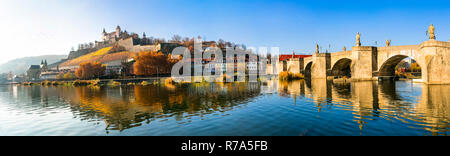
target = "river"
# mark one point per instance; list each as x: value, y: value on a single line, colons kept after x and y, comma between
x: 299, y: 108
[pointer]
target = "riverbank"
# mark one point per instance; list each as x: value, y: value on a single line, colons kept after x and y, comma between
x: 132, y: 81
x: 152, y: 80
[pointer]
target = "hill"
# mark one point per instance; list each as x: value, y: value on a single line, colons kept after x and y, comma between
x: 103, y: 55
x: 21, y: 65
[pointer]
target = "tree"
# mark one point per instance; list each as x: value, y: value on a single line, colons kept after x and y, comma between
x: 60, y: 76
x: 176, y: 38
x: 89, y: 70
x: 221, y: 43
x: 150, y: 63
x: 415, y: 67
x: 69, y: 76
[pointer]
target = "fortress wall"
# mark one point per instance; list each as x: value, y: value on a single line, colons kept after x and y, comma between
x: 126, y: 43
x: 139, y: 48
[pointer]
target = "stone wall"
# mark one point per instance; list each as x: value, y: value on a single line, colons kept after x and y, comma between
x: 139, y: 48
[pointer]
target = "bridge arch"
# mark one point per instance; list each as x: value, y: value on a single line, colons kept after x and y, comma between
x: 285, y: 68
x: 342, y: 67
x: 388, y: 67
x: 307, y: 70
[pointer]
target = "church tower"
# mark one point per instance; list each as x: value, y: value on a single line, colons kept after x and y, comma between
x: 44, y: 67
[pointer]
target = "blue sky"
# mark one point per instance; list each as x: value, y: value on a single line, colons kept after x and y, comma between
x: 40, y: 27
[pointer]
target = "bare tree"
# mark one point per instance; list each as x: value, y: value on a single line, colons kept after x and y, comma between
x: 221, y: 43
x: 176, y: 38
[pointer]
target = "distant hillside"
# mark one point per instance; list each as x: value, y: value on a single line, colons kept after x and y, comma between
x: 21, y: 65
x: 103, y: 56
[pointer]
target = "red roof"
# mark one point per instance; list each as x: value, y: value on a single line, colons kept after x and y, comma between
x: 287, y: 57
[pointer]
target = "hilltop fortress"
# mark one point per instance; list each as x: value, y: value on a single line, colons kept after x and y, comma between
x: 131, y: 42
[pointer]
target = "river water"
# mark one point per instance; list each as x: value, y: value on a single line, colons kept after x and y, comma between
x: 299, y: 108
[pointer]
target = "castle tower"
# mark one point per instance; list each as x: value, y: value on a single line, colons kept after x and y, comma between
x: 104, y: 34
x: 118, y: 31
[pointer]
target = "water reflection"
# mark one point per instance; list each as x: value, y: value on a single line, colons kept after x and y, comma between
x: 126, y: 107
x: 418, y: 105
x: 319, y: 106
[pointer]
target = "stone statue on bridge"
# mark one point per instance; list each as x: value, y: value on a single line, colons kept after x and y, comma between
x: 344, y: 49
x: 431, y: 32
x: 358, y: 39
x: 388, y: 43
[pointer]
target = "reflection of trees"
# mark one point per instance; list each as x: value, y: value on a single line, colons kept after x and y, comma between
x: 127, y: 107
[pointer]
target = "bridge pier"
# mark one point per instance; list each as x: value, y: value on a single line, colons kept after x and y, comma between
x: 322, y: 62
x: 435, y: 60
x: 364, y: 62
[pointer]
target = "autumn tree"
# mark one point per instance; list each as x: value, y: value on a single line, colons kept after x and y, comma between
x: 415, y: 67
x: 150, y: 63
x: 89, y: 70
x: 69, y: 76
x: 60, y: 76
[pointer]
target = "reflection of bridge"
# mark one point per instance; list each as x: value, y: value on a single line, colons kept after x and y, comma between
x: 369, y: 63
x: 369, y: 99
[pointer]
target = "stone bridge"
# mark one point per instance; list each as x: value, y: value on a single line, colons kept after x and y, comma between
x: 373, y: 63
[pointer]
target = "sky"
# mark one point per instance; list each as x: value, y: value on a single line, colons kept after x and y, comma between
x: 44, y: 27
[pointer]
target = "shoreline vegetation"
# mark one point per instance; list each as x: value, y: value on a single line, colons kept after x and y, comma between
x: 124, y: 82
x: 283, y: 76
x: 289, y: 76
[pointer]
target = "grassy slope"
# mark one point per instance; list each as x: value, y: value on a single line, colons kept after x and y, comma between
x: 101, y: 55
